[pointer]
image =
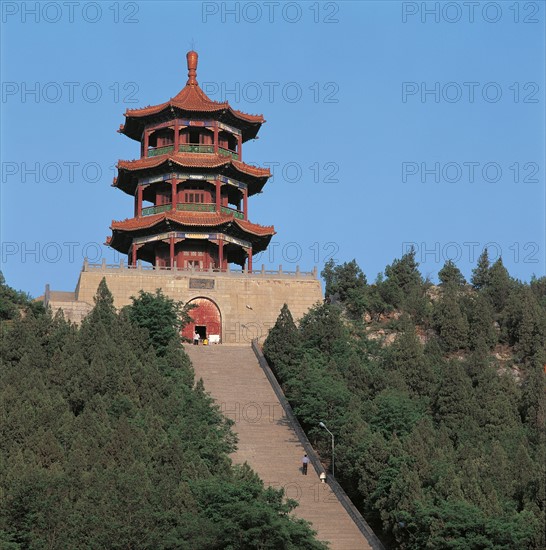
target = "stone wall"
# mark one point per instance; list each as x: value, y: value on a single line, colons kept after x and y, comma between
x: 249, y: 303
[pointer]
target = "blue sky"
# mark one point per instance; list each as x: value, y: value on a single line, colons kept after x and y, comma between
x: 388, y: 123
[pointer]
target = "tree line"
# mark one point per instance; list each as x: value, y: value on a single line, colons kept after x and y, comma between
x: 436, y: 396
x: 107, y: 441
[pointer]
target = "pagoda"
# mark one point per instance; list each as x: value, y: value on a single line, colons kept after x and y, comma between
x: 190, y: 184
x: 190, y: 222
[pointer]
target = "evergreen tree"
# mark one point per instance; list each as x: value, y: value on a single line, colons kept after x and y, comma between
x: 105, y: 445
x: 346, y: 283
x: 499, y: 286
x: 451, y: 274
x: 450, y: 322
x: 480, y: 274
x: 403, y: 278
x: 282, y: 347
x: 322, y: 328
x: 406, y: 356
x: 161, y: 316
x: 481, y: 322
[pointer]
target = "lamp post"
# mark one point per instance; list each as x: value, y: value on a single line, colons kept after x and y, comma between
x: 322, y: 425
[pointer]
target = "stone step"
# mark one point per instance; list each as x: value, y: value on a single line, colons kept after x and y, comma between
x: 267, y: 440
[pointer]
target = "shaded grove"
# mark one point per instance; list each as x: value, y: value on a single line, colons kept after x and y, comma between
x: 436, y: 396
x: 108, y: 442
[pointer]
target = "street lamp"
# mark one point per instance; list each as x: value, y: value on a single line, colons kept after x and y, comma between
x: 322, y: 425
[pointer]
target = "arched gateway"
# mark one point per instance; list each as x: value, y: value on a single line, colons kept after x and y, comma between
x: 207, y: 320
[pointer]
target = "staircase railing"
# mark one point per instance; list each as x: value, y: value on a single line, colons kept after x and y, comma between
x: 341, y: 495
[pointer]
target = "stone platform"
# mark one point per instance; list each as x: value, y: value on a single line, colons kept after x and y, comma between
x: 248, y: 303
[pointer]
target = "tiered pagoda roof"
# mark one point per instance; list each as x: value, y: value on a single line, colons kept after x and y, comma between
x: 129, y: 169
x: 190, y: 100
x: 183, y: 215
x: 122, y: 231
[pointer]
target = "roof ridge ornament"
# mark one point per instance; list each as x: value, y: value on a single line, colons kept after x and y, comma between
x: 192, y: 59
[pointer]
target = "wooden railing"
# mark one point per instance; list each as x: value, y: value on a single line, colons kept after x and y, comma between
x: 191, y: 148
x: 196, y: 207
x: 228, y: 153
x: 156, y: 151
x: 195, y: 148
x: 235, y: 213
x: 151, y: 210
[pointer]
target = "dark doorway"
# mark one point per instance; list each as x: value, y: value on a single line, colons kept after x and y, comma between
x: 201, y: 330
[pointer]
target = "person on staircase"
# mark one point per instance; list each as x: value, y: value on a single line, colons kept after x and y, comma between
x: 304, y: 464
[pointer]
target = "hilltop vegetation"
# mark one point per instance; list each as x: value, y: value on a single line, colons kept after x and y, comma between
x: 436, y: 396
x: 106, y: 442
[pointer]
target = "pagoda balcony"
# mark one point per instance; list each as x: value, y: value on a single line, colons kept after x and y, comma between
x: 156, y: 151
x: 194, y: 148
x: 192, y: 207
x: 228, y: 153
x: 151, y: 210
x: 196, y: 207
x: 235, y: 213
x: 191, y: 148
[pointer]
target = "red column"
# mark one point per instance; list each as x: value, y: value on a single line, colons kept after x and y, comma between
x: 146, y: 140
x: 240, y: 146
x: 216, y: 138
x: 245, y: 203
x: 173, y: 194
x: 139, y: 201
x: 221, y: 253
x: 176, y: 136
x: 249, y: 265
x: 171, y: 250
x: 218, y: 195
x: 134, y: 255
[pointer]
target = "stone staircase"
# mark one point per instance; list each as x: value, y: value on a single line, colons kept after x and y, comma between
x: 267, y: 440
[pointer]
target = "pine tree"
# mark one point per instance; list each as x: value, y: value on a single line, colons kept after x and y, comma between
x: 480, y: 274
x: 161, y: 316
x: 346, y: 283
x: 449, y: 321
x: 499, y: 286
x: 406, y: 357
x: 451, y: 274
x: 403, y: 278
x: 282, y: 347
x: 481, y: 322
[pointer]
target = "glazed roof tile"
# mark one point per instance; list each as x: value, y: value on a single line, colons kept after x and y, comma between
x: 192, y: 98
x: 193, y: 160
x: 194, y: 219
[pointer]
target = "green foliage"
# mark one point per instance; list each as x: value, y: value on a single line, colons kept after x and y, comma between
x: 481, y: 322
x: 394, y: 412
x: 459, y: 525
x: 321, y: 327
x: 13, y: 301
x: 107, y: 444
x: 161, y: 316
x: 499, y: 286
x: 480, y: 274
x: 437, y: 442
x: 403, y: 280
x: 282, y: 347
x: 450, y: 274
x: 450, y: 321
x: 245, y: 515
x: 346, y: 283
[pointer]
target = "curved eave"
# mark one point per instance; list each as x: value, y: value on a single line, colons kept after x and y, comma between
x: 130, y: 171
x: 135, y: 122
x: 124, y: 231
